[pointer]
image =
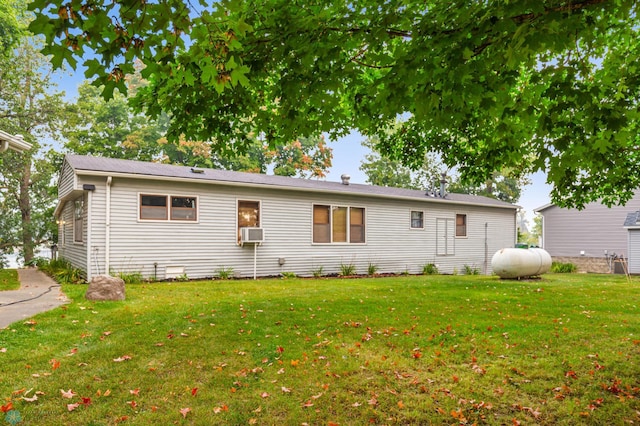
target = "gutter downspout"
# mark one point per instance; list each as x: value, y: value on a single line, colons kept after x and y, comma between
x: 486, y: 248
x: 89, y: 271
x: 107, y: 229
x: 515, y: 222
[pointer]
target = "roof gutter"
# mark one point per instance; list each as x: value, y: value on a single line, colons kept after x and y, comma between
x: 15, y: 143
x: 288, y: 188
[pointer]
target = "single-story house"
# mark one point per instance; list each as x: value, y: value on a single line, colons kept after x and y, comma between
x: 165, y: 221
x: 591, y: 238
x: 16, y: 143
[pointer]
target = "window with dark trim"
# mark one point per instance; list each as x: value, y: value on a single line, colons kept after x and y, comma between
x: 248, y: 215
x: 338, y: 224
x: 417, y: 219
x: 461, y: 225
x: 78, y: 220
x: 168, y: 207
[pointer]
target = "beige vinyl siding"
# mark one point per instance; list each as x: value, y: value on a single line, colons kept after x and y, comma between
x: 204, y: 247
x: 66, y: 182
x: 209, y: 244
x: 67, y: 248
x: 568, y: 232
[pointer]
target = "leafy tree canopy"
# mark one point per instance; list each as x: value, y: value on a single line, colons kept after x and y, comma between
x: 384, y: 171
x: 110, y: 129
x: 525, y: 85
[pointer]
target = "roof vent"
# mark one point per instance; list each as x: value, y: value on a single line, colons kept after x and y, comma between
x: 443, y: 183
x: 345, y: 179
x: 194, y: 170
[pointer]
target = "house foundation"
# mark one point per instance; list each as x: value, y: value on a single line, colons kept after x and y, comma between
x: 596, y: 265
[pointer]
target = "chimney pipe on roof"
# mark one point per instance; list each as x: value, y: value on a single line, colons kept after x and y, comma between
x: 345, y: 179
x: 443, y: 182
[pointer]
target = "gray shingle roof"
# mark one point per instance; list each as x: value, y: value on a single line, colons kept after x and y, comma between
x: 88, y: 164
x: 632, y: 219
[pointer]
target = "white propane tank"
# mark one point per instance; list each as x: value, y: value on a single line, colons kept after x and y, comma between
x: 519, y: 262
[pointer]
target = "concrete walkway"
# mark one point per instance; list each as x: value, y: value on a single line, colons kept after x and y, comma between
x: 37, y: 293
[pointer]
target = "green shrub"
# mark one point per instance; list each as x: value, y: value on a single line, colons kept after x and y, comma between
x: 288, y: 275
x: 347, y: 269
x: 471, y: 270
x: 318, y: 272
x: 61, y: 270
x: 183, y: 278
x: 225, y: 273
x: 563, y: 268
x: 429, y: 269
x: 372, y: 269
x: 131, y: 277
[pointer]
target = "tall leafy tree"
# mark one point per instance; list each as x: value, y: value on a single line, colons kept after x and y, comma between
x: 500, y: 185
x: 110, y: 129
x: 524, y: 85
x: 385, y: 171
x: 382, y: 170
x: 29, y: 106
x: 11, y: 29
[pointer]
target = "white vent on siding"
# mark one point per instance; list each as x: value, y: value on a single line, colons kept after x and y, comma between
x: 173, y: 271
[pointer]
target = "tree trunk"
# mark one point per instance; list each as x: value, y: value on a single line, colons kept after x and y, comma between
x: 25, y: 210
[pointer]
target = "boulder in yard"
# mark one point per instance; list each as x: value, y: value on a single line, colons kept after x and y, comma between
x: 105, y: 287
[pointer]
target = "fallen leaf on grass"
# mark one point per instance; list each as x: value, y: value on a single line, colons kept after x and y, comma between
x: 571, y: 374
x: 184, y: 412
x: 3, y: 350
x: 55, y: 364
x: 72, y: 407
x: 535, y: 413
x: 134, y: 391
x: 122, y: 358
x: 34, y: 398
x: 285, y: 389
x: 7, y: 407
x: 194, y: 391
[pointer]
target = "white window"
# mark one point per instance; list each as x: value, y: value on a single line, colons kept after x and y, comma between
x: 248, y: 215
x: 338, y: 224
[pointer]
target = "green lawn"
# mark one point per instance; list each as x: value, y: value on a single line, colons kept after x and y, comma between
x: 9, y: 279
x: 402, y: 350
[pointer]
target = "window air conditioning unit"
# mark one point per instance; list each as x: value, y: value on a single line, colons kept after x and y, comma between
x: 251, y: 235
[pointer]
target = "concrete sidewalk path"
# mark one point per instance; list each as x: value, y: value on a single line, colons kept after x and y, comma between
x: 38, y: 293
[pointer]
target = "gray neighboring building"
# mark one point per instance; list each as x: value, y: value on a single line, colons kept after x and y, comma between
x: 165, y: 221
x: 632, y: 227
x: 588, y: 237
